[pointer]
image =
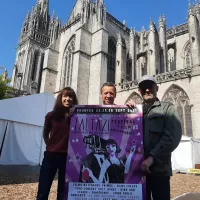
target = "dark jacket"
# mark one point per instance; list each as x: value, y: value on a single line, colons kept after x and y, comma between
x: 162, y: 134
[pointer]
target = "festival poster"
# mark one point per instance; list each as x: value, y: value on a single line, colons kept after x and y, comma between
x: 105, y: 153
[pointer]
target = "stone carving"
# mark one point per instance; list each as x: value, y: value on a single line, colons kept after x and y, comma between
x: 127, y: 85
x: 34, y: 87
x: 174, y: 75
x: 43, y: 39
x: 178, y: 30
x: 162, y: 78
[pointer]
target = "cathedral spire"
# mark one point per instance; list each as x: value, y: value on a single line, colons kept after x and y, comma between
x: 189, y: 3
x: 133, y: 53
x: 132, y: 32
x: 53, y: 17
x: 162, y: 22
x: 143, y: 29
x: 25, y: 27
x: 54, y: 27
x: 152, y: 26
x: 43, y: 6
x: 32, y: 11
x: 28, y: 16
x: 191, y: 9
x: 120, y: 65
x: 101, y: 12
x: 163, y: 44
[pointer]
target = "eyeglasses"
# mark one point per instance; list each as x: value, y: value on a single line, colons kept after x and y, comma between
x: 146, y: 85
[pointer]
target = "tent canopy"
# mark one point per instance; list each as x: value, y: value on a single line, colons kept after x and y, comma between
x: 28, y: 109
x: 21, y: 122
x: 186, y: 155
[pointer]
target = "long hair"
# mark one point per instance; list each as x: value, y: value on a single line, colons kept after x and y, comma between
x: 112, y: 141
x: 59, y: 110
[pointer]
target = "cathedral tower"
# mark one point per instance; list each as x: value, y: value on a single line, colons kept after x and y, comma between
x: 38, y: 31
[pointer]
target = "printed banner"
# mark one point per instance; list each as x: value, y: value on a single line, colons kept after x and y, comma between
x: 105, y: 153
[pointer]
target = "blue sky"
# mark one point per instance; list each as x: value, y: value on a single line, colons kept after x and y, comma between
x: 136, y: 13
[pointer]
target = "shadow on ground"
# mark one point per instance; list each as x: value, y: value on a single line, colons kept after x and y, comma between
x: 19, y: 174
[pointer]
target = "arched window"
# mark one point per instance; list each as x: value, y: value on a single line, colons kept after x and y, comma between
x: 20, y: 61
x: 67, y: 71
x: 144, y: 65
x: 171, y: 59
x: 162, y: 67
x: 128, y: 68
x: 111, y: 64
x: 181, y: 101
x: 136, y: 97
x: 35, y: 66
x: 40, y: 72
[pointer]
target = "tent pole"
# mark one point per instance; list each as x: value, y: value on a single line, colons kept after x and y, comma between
x: 42, y: 133
x: 3, y: 138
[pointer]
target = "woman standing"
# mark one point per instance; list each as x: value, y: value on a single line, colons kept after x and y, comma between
x: 56, y: 135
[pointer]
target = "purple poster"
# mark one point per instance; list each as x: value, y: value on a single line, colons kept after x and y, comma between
x: 105, y: 153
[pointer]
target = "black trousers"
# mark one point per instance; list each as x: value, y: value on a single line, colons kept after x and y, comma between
x: 158, y: 187
x: 50, y: 165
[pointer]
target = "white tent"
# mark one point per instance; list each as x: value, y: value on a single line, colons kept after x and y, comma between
x: 186, y: 155
x: 182, y: 156
x: 21, y: 126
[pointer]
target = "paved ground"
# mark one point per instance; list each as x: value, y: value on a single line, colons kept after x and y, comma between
x: 21, y: 182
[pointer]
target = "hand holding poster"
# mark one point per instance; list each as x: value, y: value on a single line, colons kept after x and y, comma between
x: 105, y: 153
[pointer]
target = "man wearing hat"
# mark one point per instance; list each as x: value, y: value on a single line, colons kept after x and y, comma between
x: 162, y: 134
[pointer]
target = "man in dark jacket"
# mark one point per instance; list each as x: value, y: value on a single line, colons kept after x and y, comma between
x: 162, y: 134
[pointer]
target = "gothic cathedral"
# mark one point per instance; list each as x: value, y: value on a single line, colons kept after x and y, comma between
x: 94, y: 47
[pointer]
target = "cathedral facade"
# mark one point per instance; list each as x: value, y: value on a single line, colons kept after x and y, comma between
x: 93, y: 47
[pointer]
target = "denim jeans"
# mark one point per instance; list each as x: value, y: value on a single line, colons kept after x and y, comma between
x: 52, y: 162
x: 158, y: 187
